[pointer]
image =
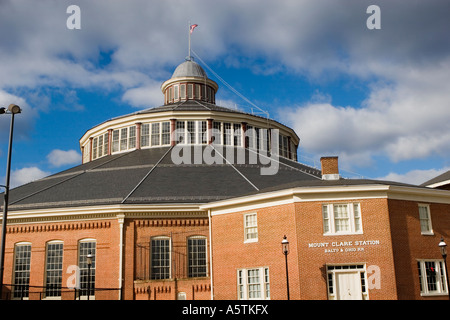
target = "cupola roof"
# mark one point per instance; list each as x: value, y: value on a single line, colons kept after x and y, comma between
x: 189, y: 68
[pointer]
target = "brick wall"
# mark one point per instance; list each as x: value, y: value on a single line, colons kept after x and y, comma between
x: 410, y: 245
x: 107, y: 244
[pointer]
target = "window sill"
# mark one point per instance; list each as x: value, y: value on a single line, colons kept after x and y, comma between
x: 437, y: 294
x: 344, y: 234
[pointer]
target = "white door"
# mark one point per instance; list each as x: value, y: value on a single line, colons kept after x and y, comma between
x: 348, y: 286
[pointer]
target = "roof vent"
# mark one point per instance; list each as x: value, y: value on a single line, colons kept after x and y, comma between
x: 330, y: 168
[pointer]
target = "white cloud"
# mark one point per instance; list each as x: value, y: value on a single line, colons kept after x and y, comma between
x: 407, y: 119
x: 414, y: 176
x: 146, y: 96
x: 25, y: 175
x: 406, y: 63
x: 58, y: 158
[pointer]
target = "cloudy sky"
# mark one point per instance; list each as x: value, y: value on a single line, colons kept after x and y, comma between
x: 377, y: 98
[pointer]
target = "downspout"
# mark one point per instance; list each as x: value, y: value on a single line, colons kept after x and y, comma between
x: 210, y: 255
x: 121, y: 220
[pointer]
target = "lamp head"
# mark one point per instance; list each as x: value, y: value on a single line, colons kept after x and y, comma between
x: 285, y: 245
x: 443, y: 247
x: 14, y: 108
x: 89, y: 257
x: 2, y: 110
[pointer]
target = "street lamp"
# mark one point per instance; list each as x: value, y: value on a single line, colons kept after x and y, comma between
x: 12, y: 109
x: 443, y: 247
x: 89, y: 263
x: 285, y: 249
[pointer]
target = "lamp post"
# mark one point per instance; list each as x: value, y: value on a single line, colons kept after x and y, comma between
x: 89, y: 263
x: 12, y: 109
x: 443, y: 247
x: 285, y: 249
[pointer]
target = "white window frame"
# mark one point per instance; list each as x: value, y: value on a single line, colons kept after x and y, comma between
x: 427, y: 219
x: 123, y: 138
x: 244, y: 284
x: 47, y: 269
x: 354, y: 219
x: 152, y: 274
x: 19, y: 273
x: 83, y: 268
x: 189, y: 252
x: 441, y: 281
x: 248, y: 228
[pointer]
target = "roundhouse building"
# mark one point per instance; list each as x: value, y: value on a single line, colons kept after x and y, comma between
x: 191, y: 200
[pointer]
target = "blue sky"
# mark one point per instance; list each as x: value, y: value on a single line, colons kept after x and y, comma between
x: 379, y: 99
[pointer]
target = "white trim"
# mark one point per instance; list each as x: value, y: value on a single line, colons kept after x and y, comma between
x: 438, y: 184
x: 430, y: 231
x: 310, y: 194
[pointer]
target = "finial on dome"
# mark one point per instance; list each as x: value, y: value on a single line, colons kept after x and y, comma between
x: 189, y: 58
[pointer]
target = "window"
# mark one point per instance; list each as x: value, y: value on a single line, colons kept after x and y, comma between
x: 217, y: 132
x: 190, y: 91
x: 202, y: 133
x: 198, y: 91
x: 53, y: 267
x: 145, y: 135
x: 347, y: 282
x: 197, y: 257
x: 253, y: 284
x: 341, y: 218
x: 250, y: 134
x: 155, y: 134
x: 284, y: 146
x: 22, y: 259
x: 237, y: 134
x: 191, y: 131
x: 115, y: 139
x: 165, y: 134
x: 132, y: 137
x: 176, y: 92
x: 227, y: 134
x: 425, y: 219
x: 180, y: 132
x: 250, y: 227
x: 160, y: 258
x: 124, y: 139
x: 183, y: 92
x: 264, y: 140
x: 86, y: 247
x: 432, y: 277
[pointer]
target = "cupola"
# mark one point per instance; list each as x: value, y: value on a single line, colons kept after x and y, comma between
x: 189, y: 82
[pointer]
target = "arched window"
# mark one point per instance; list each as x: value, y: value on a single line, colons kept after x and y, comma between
x: 53, y: 268
x: 22, y: 263
x: 87, y: 272
x: 160, y: 258
x: 197, y: 258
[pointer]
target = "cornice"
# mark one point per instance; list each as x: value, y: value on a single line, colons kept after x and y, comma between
x: 106, y: 212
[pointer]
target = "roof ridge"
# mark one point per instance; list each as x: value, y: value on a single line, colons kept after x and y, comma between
x: 227, y: 161
x: 145, y: 177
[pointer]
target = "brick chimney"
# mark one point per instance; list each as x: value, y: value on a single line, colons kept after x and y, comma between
x: 330, y: 168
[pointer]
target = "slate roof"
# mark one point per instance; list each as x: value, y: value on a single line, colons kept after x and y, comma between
x: 149, y: 176
x: 440, y: 178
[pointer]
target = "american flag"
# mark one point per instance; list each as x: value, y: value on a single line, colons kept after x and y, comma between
x: 193, y: 26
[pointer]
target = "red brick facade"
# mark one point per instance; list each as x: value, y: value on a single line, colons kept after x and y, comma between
x: 384, y: 250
